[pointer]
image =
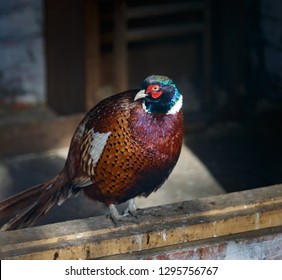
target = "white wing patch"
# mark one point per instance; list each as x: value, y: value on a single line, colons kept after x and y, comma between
x: 93, y: 144
x: 98, y: 144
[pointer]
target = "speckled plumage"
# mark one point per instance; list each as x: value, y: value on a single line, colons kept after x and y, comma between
x: 126, y: 146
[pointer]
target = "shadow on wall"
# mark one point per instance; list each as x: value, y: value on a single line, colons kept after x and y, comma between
x: 242, y: 156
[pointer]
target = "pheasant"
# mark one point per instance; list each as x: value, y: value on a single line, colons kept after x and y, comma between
x: 126, y: 146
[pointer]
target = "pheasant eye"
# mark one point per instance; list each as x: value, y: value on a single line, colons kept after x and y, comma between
x: 152, y: 88
x: 154, y: 91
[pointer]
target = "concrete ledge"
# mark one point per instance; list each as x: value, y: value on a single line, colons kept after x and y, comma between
x: 176, y: 224
x: 264, y: 244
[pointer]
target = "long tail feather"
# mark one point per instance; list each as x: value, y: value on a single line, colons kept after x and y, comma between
x: 19, y: 201
x: 32, y: 204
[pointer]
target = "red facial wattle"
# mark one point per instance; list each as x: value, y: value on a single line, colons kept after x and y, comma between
x: 154, y: 90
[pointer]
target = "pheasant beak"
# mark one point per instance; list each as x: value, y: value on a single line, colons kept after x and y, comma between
x: 140, y: 94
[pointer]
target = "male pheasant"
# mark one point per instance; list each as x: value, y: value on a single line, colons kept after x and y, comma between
x: 126, y: 146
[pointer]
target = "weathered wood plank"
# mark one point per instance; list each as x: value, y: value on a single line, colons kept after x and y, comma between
x: 157, y: 227
x: 37, y: 136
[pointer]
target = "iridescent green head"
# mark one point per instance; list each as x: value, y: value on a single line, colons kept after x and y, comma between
x: 160, y: 95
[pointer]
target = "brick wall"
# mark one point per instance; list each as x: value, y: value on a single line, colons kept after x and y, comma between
x: 22, y: 74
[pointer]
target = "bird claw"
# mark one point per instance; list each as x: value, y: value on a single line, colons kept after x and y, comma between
x: 131, y: 209
x: 129, y: 214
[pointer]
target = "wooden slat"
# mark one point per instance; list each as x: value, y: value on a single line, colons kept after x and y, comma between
x: 92, y: 52
x: 207, y: 58
x: 156, y: 32
x: 164, y: 9
x: 157, y: 227
x: 120, y: 47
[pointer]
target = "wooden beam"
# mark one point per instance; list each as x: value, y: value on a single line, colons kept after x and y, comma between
x: 207, y: 58
x: 120, y: 47
x: 157, y: 32
x: 65, y: 56
x: 37, y: 136
x: 92, y: 52
x: 164, y: 31
x: 164, y: 9
x: 169, y: 225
